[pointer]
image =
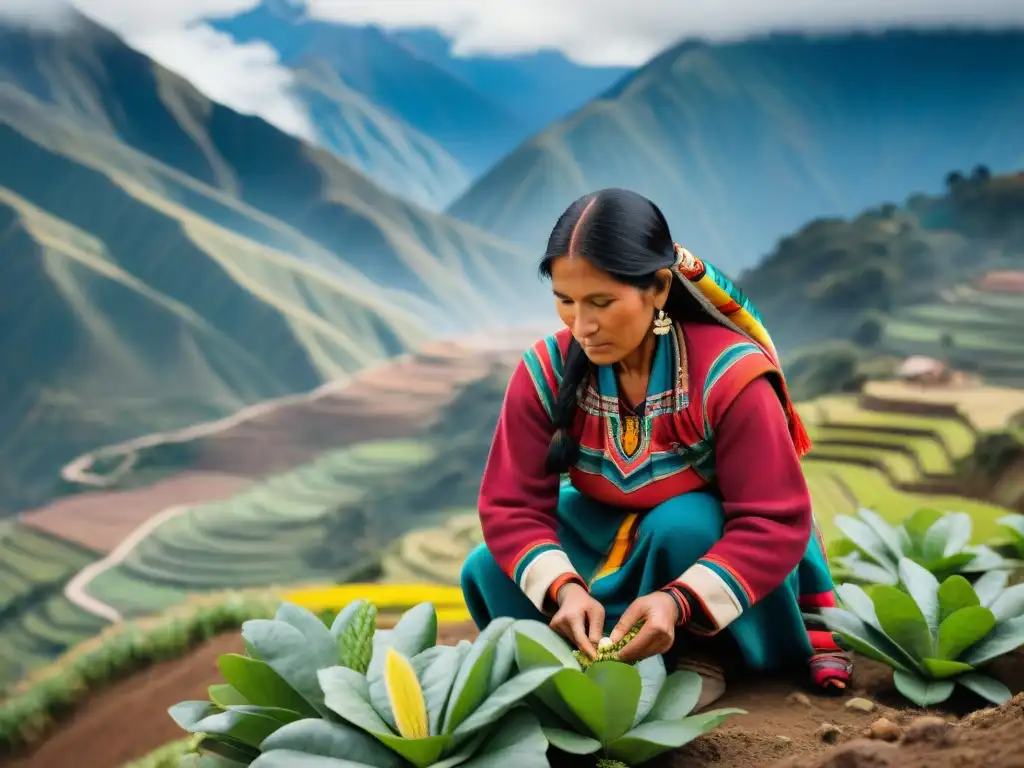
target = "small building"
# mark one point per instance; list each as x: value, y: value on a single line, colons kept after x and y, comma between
x: 1002, y: 281
x: 921, y: 369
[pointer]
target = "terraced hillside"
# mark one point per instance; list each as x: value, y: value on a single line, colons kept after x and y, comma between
x: 968, y: 326
x: 878, y: 451
x: 278, y: 495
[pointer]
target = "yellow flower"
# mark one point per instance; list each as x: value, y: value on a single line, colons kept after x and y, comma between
x: 405, y: 696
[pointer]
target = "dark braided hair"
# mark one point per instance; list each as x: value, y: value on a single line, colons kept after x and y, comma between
x: 626, y: 235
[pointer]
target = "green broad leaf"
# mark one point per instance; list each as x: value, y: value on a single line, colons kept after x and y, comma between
x: 304, y: 620
x: 473, y: 679
x: 249, y: 725
x: 963, y: 629
x: 250, y: 650
x: 924, y: 693
x: 984, y: 559
x: 1007, y: 637
x: 865, y: 639
x: 508, y: 695
x: 504, y: 661
x: 944, y: 567
x: 678, y: 696
x: 228, y: 748
x: 864, y: 538
x: 943, y: 669
x: 621, y: 687
x: 337, y: 740
x: 460, y: 750
x: 1009, y: 604
x: 917, y: 525
x: 287, y: 758
x: 436, y: 669
x: 420, y: 752
x: 415, y: 631
x: 655, y: 737
x: 188, y: 713
x: 983, y: 685
x: 519, y: 742
x: 346, y: 693
x: 859, y: 604
x: 955, y: 593
x: 885, y: 532
x: 580, y: 696
x: 989, y: 586
x: 902, y: 621
x: 259, y: 684
x: 869, y: 573
x: 949, y: 535
x: 287, y: 651
x: 224, y: 695
x: 537, y: 645
x: 923, y: 587
x: 571, y: 742
x: 652, y: 678
x: 354, y: 629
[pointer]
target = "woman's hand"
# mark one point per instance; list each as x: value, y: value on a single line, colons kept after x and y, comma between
x: 659, y: 613
x: 580, y: 618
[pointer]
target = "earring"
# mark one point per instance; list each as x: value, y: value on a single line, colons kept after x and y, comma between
x: 662, y: 323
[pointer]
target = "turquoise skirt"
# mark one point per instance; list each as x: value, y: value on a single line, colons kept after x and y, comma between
x: 666, y: 542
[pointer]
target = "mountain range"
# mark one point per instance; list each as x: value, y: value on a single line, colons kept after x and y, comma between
x: 168, y: 260
x: 741, y: 143
x: 403, y: 108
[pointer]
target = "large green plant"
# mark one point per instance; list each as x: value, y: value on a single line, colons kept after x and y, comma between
x: 938, y: 542
x: 624, y: 712
x: 933, y: 635
x: 350, y: 695
x: 1014, y: 525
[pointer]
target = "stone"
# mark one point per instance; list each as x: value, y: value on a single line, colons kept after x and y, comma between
x: 931, y: 730
x: 859, y: 704
x: 799, y: 698
x: 884, y: 729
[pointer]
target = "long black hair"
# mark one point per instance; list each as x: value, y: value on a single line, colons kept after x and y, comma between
x: 626, y: 235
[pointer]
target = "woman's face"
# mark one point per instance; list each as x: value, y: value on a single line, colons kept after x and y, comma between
x: 609, y: 319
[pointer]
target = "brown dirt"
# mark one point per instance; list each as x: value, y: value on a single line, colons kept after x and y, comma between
x: 785, y: 727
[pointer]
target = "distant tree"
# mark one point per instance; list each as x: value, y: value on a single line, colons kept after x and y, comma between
x: 946, y: 341
x: 869, y: 331
x: 889, y: 210
x: 981, y: 173
x: 953, y: 180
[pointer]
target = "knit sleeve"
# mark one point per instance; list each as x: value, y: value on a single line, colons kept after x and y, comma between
x: 518, y: 497
x: 767, y: 506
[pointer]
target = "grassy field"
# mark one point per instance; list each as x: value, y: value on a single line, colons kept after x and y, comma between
x: 981, y: 328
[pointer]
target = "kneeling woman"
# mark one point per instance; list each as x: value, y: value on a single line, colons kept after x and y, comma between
x: 684, y: 504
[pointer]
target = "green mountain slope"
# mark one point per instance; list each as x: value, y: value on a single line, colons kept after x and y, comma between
x: 169, y: 261
x: 741, y: 143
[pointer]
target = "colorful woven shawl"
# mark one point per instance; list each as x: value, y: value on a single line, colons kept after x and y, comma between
x: 730, y: 301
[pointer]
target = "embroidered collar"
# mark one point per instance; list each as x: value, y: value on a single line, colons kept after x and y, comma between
x: 667, y: 387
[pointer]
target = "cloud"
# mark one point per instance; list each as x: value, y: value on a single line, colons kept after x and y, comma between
x: 629, y: 32
x: 245, y: 77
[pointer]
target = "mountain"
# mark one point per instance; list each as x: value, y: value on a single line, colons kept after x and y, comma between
x: 470, y: 125
x: 538, y: 88
x: 170, y: 261
x: 742, y: 142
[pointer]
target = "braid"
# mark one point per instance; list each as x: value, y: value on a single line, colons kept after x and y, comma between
x: 564, y: 450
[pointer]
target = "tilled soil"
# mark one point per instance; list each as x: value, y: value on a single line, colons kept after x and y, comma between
x: 786, y: 727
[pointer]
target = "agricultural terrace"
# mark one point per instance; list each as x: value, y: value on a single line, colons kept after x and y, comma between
x: 969, y: 327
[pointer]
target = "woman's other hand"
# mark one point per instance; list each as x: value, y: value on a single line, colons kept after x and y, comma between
x: 659, y: 613
x: 580, y: 618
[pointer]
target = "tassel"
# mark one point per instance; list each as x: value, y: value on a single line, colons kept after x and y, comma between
x: 801, y: 440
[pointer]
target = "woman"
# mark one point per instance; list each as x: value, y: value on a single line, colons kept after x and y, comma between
x: 685, y: 505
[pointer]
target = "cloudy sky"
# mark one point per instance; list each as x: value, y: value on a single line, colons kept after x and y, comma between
x: 622, y: 32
